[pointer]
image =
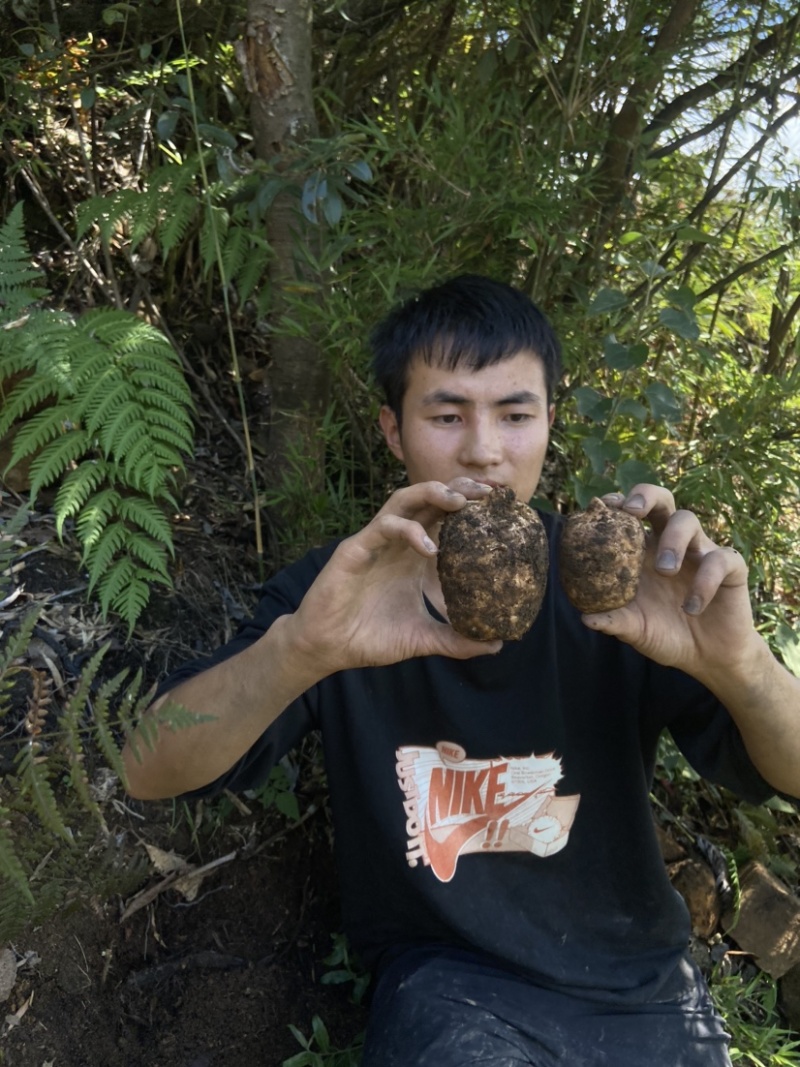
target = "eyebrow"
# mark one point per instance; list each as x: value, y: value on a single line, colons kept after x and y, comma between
x: 443, y: 396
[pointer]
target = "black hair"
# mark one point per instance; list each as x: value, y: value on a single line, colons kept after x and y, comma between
x: 467, y: 321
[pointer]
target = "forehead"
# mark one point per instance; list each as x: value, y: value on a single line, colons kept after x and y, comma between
x: 524, y: 370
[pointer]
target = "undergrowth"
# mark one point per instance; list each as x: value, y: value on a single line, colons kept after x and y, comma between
x: 99, y: 404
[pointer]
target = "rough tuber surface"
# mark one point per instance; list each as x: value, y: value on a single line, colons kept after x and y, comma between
x: 600, y: 558
x: 493, y: 562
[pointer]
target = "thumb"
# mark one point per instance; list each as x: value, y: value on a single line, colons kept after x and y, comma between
x: 621, y: 622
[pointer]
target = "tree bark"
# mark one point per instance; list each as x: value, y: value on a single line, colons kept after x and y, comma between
x: 276, y: 57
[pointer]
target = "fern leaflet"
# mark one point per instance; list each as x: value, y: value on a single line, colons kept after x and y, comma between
x: 33, y: 775
x: 10, y: 866
x: 55, y: 457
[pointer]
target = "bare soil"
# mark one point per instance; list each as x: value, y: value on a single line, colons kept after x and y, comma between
x: 211, y: 982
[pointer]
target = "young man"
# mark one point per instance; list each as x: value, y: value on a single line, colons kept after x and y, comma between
x: 494, y: 838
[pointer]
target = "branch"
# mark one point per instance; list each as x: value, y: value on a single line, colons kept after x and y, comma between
x: 744, y: 268
x: 724, y: 80
x: 754, y: 149
x: 720, y: 120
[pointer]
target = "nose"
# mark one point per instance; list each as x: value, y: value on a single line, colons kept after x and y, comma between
x: 481, y: 446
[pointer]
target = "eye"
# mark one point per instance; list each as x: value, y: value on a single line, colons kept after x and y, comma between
x: 518, y: 417
x: 446, y: 420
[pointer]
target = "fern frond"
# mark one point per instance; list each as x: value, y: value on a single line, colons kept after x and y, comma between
x: 101, y: 727
x: 72, y: 745
x: 144, y: 466
x: 213, y: 231
x: 33, y: 769
x: 150, y: 553
x: 94, y: 517
x: 98, y: 558
x: 157, y: 381
x: 253, y: 271
x: 39, y: 430
x: 148, y: 516
x: 176, y: 221
x: 30, y: 393
x: 124, y: 588
x: 158, y: 404
x: 102, y: 402
x: 168, y: 437
x: 76, y: 489
x: 235, y: 252
x: 56, y: 457
x: 112, y: 433
x: 19, y: 280
x: 110, y: 212
x: 15, y: 647
x: 10, y: 865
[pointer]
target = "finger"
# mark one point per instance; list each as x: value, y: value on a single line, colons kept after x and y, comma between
x: 681, y: 536
x: 719, y: 567
x: 425, y: 501
x: 446, y: 642
x: 388, y: 529
x: 622, y: 623
x: 653, y: 502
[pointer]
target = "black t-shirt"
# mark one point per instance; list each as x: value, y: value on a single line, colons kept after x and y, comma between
x: 502, y: 803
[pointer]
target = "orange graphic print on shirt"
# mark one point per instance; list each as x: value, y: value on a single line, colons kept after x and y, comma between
x: 455, y: 805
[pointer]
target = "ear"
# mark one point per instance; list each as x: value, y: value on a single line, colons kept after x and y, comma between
x: 391, y: 431
x: 551, y: 414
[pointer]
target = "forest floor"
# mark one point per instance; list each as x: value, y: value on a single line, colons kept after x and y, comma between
x: 160, y: 980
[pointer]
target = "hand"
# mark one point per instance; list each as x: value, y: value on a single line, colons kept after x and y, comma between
x: 692, y: 609
x: 366, y: 607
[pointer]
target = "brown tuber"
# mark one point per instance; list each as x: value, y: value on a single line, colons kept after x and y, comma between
x: 600, y: 558
x: 493, y: 561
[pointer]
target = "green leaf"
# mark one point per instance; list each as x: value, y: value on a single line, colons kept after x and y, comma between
x: 601, y: 453
x: 88, y: 97
x: 692, y: 233
x: 633, y: 408
x: 359, y: 169
x: 651, y: 268
x: 594, y: 485
x: 623, y: 357
x: 591, y: 404
x: 680, y: 321
x: 787, y: 642
x: 216, y: 135
x: 608, y: 300
x: 332, y: 208
x: 664, y: 403
x: 629, y: 238
x: 165, y: 125
x: 633, y: 472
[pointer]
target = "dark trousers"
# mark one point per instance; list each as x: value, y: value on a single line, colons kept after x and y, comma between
x: 447, y: 1008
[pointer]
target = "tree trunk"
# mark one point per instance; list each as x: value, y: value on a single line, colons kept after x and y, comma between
x: 277, y: 60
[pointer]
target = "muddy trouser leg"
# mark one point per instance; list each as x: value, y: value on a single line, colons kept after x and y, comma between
x: 445, y: 1008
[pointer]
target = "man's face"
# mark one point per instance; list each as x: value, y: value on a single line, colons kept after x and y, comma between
x: 491, y: 425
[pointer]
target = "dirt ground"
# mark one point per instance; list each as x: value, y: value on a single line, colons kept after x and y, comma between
x: 211, y: 982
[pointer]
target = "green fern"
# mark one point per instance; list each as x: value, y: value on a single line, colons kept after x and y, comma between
x: 33, y: 772
x: 102, y: 406
x: 20, y: 283
x: 10, y: 866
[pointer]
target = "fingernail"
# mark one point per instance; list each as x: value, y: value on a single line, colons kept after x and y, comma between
x: 693, y: 605
x: 615, y: 498
x: 667, y: 560
x: 635, y: 501
x: 431, y: 547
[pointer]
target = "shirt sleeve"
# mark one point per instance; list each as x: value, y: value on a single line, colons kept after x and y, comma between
x: 280, y: 596
x: 707, y: 735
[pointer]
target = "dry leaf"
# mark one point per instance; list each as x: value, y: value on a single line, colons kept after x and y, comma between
x: 166, y: 862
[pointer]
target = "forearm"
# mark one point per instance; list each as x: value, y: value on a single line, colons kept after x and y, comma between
x: 763, y: 698
x: 241, y: 696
